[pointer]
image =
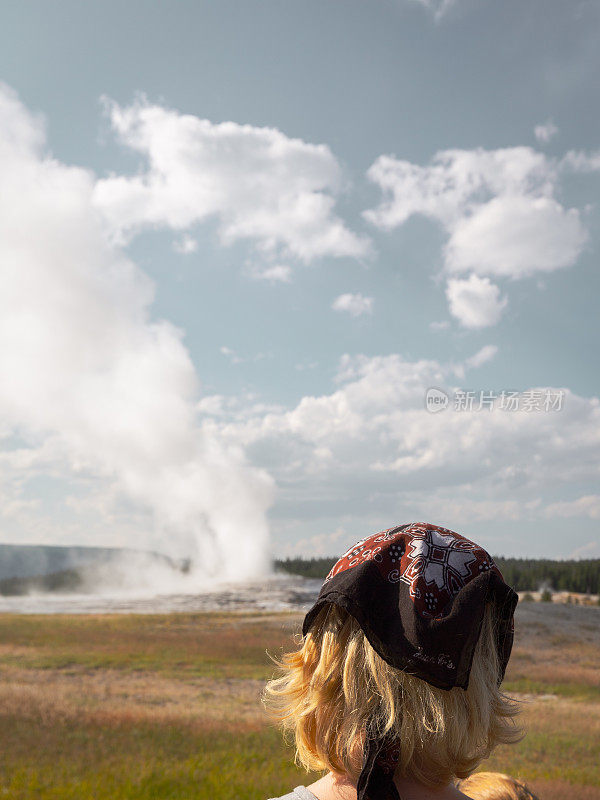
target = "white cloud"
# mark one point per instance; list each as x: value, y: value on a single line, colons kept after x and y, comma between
x: 371, y: 448
x: 475, y: 302
x: 585, y: 506
x: 496, y: 206
x: 481, y: 357
x: 515, y: 237
x: 321, y: 545
x: 304, y: 365
x: 213, y: 405
x: 443, y: 505
x: 578, y: 161
x: 257, y: 183
x: 185, y: 245
x: 544, y: 133
x: 355, y: 304
x: 443, y: 325
x: 234, y: 358
x: 274, y: 273
x: 478, y: 359
x: 231, y: 355
x: 456, y: 182
x: 588, y: 550
x: 89, y: 372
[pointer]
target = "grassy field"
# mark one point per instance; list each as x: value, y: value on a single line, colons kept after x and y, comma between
x: 115, y: 707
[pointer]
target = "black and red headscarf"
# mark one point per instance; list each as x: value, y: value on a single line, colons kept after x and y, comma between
x: 419, y: 592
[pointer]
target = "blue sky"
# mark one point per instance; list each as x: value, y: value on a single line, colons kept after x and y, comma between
x: 242, y: 240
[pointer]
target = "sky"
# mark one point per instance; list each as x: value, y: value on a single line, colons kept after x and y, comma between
x: 278, y: 275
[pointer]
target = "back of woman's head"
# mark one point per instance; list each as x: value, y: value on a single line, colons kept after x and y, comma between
x: 495, y: 786
x: 335, y: 685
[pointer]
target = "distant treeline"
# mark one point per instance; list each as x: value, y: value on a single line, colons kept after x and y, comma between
x: 307, y: 567
x: 523, y: 574
x: 52, y: 568
x: 65, y: 581
x: 529, y: 574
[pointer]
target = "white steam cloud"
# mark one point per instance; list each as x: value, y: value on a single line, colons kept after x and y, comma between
x: 86, y: 369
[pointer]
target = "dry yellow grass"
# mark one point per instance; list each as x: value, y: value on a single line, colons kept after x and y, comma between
x: 556, y: 650
x: 53, y: 695
x: 83, y: 700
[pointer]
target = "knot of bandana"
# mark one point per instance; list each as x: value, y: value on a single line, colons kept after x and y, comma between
x: 376, y: 781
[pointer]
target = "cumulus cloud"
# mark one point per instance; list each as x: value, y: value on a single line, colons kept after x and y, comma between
x: 497, y: 207
x: 456, y: 182
x: 544, y: 133
x: 372, y: 448
x: 585, y: 506
x: 273, y: 273
x: 514, y: 237
x: 257, y: 184
x: 355, y: 304
x: 475, y: 302
x: 96, y: 388
x: 578, y: 161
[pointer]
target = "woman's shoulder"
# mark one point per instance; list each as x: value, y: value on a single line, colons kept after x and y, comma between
x: 299, y: 793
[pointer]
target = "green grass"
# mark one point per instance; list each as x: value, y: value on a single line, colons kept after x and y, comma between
x: 179, y: 645
x: 574, y: 691
x: 61, y: 738
x: 79, y: 760
x: 551, y: 755
x: 141, y: 761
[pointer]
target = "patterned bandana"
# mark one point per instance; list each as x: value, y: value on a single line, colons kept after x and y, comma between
x: 419, y: 592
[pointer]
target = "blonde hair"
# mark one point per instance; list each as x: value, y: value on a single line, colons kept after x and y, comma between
x: 495, y: 786
x: 334, y: 684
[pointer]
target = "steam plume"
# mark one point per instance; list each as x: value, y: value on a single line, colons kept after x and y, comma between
x: 89, y: 374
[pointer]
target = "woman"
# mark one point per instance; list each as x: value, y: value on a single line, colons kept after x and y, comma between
x: 394, y: 689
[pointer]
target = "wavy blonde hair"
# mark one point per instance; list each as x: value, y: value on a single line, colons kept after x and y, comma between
x: 495, y: 786
x: 335, y: 684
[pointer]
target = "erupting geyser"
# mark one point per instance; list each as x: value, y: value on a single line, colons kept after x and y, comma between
x: 98, y: 389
